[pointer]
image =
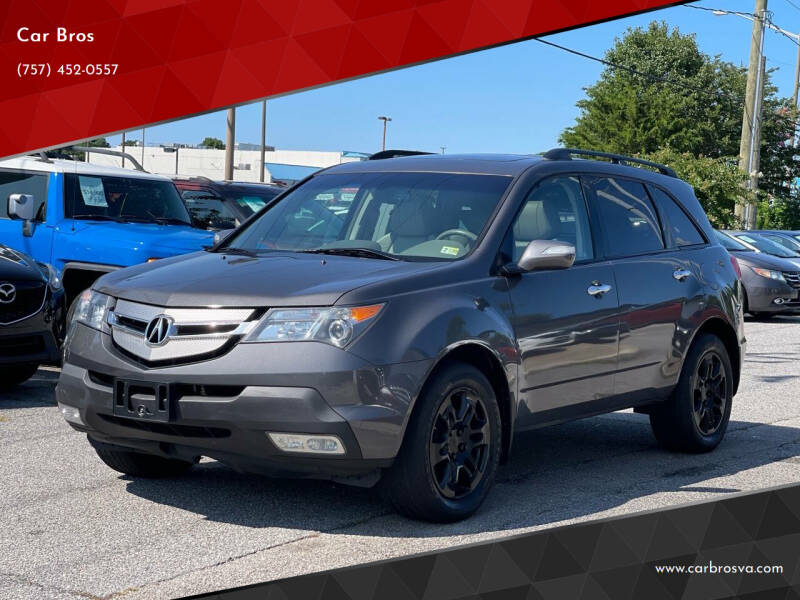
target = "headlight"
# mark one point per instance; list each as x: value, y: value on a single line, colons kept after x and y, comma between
x: 92, y: 309
x: 776, y: 275
x: 53, y: 278
x: 334, y: 325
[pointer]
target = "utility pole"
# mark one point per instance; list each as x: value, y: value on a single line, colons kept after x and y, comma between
x: 263, y: 139
x: 230, y: 140
x: 751, y: 119
x: 755, y: 167
x: 796, y: 84
x: 385, y: 120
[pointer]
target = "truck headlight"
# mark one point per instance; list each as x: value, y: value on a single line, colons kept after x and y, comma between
x: 336, y: 325
x: 92, y: 309
x: 776, y: 275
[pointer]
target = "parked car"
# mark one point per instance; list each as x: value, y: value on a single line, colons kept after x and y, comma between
x: 217, y: 205
x: 86, y: 219
x: 759, y: 243
x: 770, y: 284
x: 460, y: 299
x: 31, y: 307
x: 787, y: 239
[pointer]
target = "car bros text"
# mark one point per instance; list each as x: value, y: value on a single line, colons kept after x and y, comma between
x: 24, y: 34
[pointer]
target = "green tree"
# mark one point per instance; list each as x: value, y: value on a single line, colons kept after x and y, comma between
x: 212, y: 142
x: 665, y: 93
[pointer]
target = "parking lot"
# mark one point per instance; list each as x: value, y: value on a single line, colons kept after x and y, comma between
x: 72, y: 528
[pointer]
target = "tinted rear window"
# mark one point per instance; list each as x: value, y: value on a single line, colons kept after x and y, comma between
x: 628, y: 218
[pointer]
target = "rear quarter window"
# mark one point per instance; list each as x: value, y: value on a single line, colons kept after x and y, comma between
x: 679, y: 230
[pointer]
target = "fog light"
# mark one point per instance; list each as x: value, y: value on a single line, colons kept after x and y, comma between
x: 70, y: 413
x: 307, y: 443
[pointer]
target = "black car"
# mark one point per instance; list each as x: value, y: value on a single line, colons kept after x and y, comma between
x: 31, y: 306
x: 404, y: 337
x: 218, y: 205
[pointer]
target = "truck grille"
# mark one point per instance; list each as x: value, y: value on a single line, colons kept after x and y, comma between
x: 792, y: 278
x: 28, y: 300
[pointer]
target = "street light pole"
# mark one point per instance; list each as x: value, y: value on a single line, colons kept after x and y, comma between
x: 230, y: 140
x: 796, y: 84
x: 751, y: 119
x: 263, y: 139
x: 385, y: 120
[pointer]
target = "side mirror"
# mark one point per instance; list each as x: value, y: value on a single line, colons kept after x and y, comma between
x: 547, y: 254
x: 221, y: 235
x: 22, y: 207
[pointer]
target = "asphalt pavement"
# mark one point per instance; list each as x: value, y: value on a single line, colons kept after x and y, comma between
x: 70, y: 527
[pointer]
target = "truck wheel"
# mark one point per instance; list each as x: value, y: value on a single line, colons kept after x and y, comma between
x: 695, y: 417
x: 13, y: 375
x: 451, y: 451
x: 139, y: 464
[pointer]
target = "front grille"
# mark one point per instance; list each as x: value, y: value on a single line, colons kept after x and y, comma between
x: 28, y: 300
x: 169, y: 429
x: 183, y: 335
x: 21, y: 345
x: 792, y: 278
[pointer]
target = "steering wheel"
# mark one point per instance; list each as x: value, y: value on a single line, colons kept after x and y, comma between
x: 467, y: 235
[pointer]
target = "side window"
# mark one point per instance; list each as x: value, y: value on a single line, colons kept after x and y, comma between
x: 23, y: 183
x: 678, y: 228
x: 554, y: 210
x: 628, y: 218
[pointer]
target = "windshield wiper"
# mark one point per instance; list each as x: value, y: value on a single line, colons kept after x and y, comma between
x: 97, y: 218
x: 236, y: 251
x: 170, y: 221
x: 359, y: 252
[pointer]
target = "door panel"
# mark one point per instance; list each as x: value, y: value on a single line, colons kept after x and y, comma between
x: 567, y: 339
x: 653, y: 291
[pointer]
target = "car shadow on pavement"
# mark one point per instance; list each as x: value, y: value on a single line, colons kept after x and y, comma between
x: 555, y: 474
x: 36, y: 392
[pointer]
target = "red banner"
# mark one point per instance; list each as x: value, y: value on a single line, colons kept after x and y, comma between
x: 76, y: 69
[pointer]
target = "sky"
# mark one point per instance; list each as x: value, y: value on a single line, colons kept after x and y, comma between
x: 516, y: 98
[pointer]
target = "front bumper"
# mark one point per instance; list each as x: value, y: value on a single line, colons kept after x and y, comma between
x: 225, y: 406
x: 36, y: 339
x: 762, y: 297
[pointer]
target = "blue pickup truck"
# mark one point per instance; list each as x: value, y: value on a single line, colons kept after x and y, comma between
x: 86, y: 220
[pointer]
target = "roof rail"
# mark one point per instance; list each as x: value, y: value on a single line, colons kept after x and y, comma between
x: 111, y: 152
x: 395, y: 154
x: 617, y: 159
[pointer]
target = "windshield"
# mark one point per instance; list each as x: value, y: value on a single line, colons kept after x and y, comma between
x: 123, y: 199
x: 207, y: 210
x: 409, y: 216
x: 789, y: 243
x: 729, y: 243
x: 766, y: 245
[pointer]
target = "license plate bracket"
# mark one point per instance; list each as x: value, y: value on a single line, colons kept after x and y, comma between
x: 144, y: 400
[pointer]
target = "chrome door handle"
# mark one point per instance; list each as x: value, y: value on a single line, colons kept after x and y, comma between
x: 597, y: 289
x: 681, y: 274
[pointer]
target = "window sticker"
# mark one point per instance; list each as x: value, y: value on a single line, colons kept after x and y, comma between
x: 92, y: 191
x: 451, y: 250
x: 254, y: 203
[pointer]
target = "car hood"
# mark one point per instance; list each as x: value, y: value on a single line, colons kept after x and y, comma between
x: 157, y: 240
x: 16, y: 266
x: 279, y: 279
x: 765, y: 261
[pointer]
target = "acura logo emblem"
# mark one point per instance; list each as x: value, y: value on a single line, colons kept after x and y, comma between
x: 7, y: 293
x: 158, y: 330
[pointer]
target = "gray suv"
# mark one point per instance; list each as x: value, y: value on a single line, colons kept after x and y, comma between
x: 402, y: 341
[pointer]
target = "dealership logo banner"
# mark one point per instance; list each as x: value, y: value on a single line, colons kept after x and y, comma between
x: 746, y: 545
x: 73, y: 69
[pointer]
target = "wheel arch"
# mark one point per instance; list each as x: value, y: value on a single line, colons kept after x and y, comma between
x: 487, y: 360
x: 78, y: 276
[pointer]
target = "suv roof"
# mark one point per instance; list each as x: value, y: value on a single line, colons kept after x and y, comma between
x: 506, y: 164
x: 59, y: 165
x: 206, y: 181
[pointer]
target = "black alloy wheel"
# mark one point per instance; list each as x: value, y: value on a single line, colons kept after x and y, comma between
x: 709, y: 393
x: 459, y: 445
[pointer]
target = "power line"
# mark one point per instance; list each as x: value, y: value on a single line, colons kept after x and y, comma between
x: 790, y: 3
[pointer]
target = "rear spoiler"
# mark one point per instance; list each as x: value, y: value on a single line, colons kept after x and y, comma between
x: 111, y: 152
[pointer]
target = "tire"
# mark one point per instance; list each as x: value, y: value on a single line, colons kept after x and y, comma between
x: 139, y: 464
x: 762, y: 315
x: 13, y: 375
x: 435, y: 430
x: 695, y: 417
